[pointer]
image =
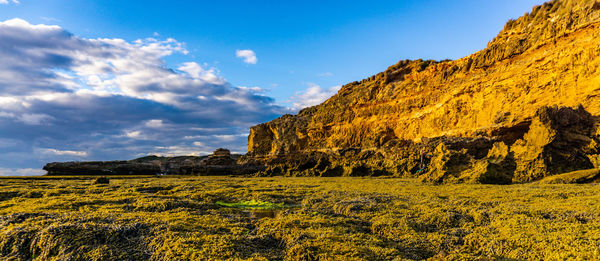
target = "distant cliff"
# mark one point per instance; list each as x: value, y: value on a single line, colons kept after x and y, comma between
x: 221, y: 162
x: 392, y: 123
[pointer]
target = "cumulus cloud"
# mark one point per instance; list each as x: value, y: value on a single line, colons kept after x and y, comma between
x: 247, y: 55
x: 64, y: 97
x: 312, y: 95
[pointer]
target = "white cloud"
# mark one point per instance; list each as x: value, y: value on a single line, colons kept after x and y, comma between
x: 5, y: 2
x: 133, y: 134
x: 313, y: 95
x: 155, y: 123
x: 248, y: 55
x: 35, y: 118
x: 198, y: 71
x: 4, y: 114
x: 64, y: 152
x: 325, y: 74
x: 170, y: 151
x: 229, y: 137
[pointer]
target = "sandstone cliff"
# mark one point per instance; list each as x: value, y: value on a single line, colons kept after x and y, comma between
x: 549, y: 57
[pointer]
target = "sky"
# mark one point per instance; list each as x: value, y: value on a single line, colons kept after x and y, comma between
x: 108, y: 79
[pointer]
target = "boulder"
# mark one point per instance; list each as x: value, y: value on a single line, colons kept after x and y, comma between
x: 101, y: 181
x: 220, y: 152
x: 221, y: 157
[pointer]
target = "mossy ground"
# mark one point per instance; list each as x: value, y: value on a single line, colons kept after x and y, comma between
x: 252, y: 204
x: 178, y: 218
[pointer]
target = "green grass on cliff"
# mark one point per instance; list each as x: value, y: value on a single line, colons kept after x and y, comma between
x: 333, y: 219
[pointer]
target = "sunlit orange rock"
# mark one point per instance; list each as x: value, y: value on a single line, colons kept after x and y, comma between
x: 549, y: 57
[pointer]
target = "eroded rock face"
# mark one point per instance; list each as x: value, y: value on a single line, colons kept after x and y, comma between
x: 549, y: 57
x: 557, y: 142
x: 397, y: 158
x: 450, y: 166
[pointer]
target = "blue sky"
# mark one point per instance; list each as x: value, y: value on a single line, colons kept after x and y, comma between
x: 168, y: 78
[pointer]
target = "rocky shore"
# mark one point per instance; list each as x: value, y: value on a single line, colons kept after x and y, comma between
x: 521, y: 110
x: 221, y: 162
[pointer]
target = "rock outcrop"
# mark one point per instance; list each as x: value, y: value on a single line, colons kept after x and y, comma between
x: 479, y: 107
x: 558, y: 141
x: 221, y: 162
x: 102, y: 168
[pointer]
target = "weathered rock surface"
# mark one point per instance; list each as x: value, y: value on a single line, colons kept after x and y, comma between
x: 556, y: 143
x: 221, y: 162
x: 393, y: 122
x: 449, y: 166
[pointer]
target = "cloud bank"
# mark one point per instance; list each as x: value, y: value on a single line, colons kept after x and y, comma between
x: 63, y: 97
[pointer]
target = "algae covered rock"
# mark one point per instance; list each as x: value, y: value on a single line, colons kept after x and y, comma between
x: 556, y: 143
x: 447, y: 165
x: 101, y: 181
x: 451, y: 166
x: 574, y: 177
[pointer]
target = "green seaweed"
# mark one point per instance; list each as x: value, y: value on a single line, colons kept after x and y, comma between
x: 252, y: 204
x: 334, y: 218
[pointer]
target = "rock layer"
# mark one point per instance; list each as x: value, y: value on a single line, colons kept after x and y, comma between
x: 549, y: 57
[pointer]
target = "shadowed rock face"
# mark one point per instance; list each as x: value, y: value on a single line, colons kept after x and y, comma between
x: 558, y: 141
x: 393, y: 122
x: 102, y: 168
x: 450, y: 166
